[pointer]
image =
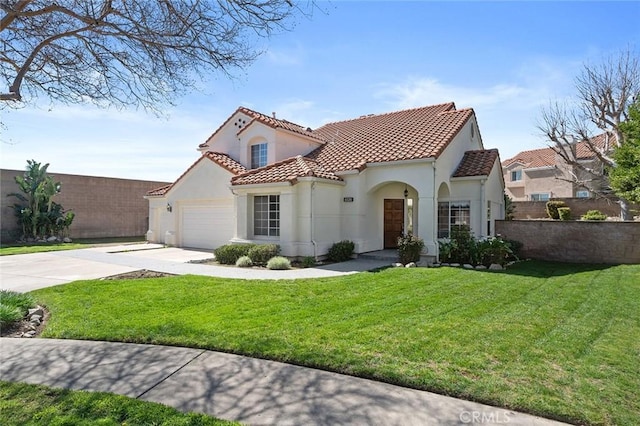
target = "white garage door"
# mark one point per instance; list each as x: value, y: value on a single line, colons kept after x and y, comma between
x: 207, y: 226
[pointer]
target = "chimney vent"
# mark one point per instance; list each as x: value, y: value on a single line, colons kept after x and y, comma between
x: 274, y: 114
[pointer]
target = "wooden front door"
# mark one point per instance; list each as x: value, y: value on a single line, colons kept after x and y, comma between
x: 393, y: 222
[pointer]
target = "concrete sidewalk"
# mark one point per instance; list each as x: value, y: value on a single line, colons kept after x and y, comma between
x: 28, y: 272
x: 233, y: 387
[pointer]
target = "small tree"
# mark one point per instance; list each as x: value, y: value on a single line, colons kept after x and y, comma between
x: 625, y: 177
x: 38, y: 215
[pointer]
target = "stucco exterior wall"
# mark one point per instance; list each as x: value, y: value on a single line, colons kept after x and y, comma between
x: 578, y: 206
x: 104, y: 207
x: 575, y: 241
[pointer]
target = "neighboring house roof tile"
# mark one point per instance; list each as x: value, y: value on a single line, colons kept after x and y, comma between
x: 403, y: 135
x: 288, y: 170
x: 546, y: 157
x: 222, y: 160
x: 476, y: 163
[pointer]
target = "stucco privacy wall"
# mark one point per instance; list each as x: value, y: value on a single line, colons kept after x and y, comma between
x: 578, y: 206
x: 104, y: 207
x: 575, y: 241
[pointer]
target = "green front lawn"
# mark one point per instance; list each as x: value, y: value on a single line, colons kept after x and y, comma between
x: 557, y: 340
x: 8, y: 249
x: 22, y: 404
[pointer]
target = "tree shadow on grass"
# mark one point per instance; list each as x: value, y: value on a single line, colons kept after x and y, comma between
x: 545, y: 269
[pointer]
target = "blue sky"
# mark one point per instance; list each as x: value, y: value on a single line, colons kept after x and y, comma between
x: 503, y: 59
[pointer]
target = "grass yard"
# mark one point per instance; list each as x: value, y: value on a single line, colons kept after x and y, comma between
x: 557, y: 340
x: 22, y: 404
x: 9, y: 249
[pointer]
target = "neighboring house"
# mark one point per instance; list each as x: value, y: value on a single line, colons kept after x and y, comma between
x: 264, y: 179
x: 542, y: 174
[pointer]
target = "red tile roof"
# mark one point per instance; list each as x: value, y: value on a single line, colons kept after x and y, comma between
x: 403, y: 135
x: 543, y: 157
x: 223, y: 160
x: 284, y: 171
x: 547, y: 157
x: 476, y: 163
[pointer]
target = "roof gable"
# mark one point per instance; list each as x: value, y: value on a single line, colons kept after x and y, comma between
x: 223, y: 160
x: 476, y: 163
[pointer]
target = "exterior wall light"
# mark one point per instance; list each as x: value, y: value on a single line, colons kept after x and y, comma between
x: 169, y: 207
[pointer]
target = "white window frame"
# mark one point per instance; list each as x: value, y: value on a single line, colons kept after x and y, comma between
x: 516, y: 175
x: 461, y: 210
x: 259, y: 157
x: 540, y: 196
x: 266, y: 216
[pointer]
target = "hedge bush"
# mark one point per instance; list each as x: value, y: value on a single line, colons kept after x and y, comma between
x: 564, y: 213
x: 230, y: 253
x: 552, y: 208
x: 409, y: 248
x: 278, y: 263
x: 594, y: 215
x: 463, y: 247
x: 308, y: 262
x: 261, y: 253
x: 341, y: 251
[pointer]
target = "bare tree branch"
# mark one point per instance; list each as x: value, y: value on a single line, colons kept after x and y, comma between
x: 585, y: 134
x: 140, y: 53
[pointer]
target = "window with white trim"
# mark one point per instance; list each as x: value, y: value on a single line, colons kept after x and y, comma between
x: 454, y: 213
x: 258, y: 155
x: 516, y: 175
x: 541, y: 196
x: 582, y: 194
x: 266, y: 215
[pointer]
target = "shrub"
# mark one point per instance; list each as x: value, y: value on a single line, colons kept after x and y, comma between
x: 493, y: 250
x: 22, y: 301
x: 594, y: 215
x: 564, y: 213
x: 409, y: 248
x: 308, y: 262
x: 463, y: 247
x: 260, y: 254
x: 244, y: 262
x: 516, y: 248
x: 230, y: 253
x: 552, y: 208
x: 341, y: 251
x: 278, y: 263
x: 9, y: 314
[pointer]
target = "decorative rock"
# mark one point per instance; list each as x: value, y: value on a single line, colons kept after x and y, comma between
x: 434, y: 265
x: 397, y: 265
x: 467, y: 266
x: 67, y: 240
x: 495, y: 267
x: 455, y: 265
x: 444, y: 264
x: 35, y: 318
x: 479, y: 267
x: 30, y: 333
x: 36, y: 311
x: 410, y: 265
x: 52, y: 239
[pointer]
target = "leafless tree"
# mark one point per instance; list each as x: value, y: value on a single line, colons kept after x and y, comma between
x: 605, y: 91
x: 140, y: 53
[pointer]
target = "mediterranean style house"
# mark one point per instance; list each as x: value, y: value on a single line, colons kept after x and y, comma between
x: 542, y: 174
x: 369, y: 180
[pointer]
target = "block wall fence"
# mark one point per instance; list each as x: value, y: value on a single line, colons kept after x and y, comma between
x: 578, y: 206
x: 104, y: 207
x: 575, y: 241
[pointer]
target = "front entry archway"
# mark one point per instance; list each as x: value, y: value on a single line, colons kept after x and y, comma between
x: 393, y: 221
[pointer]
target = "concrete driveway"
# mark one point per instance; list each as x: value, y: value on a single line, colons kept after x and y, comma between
x: 26, y: 272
